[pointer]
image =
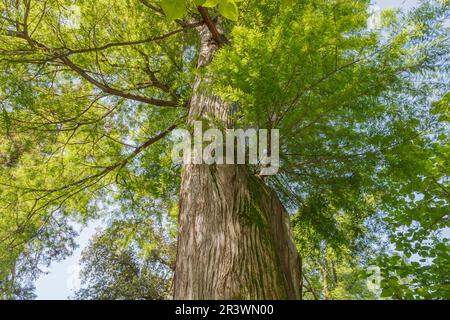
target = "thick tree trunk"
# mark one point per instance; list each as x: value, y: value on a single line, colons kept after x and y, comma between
x: 234, y: 234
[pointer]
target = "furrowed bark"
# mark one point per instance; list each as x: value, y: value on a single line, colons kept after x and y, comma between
x: 234, y: 239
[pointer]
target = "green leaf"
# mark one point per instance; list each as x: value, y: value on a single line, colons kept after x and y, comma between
x: 210, y: 3
x: 229, y: 9
x: 199, y: 2
x: 174, y: 9
x: 286, y: 3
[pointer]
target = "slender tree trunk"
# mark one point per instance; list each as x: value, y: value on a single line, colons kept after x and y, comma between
x: 234, y: 234
x: 325, y: 272
x: 326, y: 292
x: 335, y: 276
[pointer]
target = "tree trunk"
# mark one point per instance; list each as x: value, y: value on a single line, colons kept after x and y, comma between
x: 234, y: 239
x: 326, y: 292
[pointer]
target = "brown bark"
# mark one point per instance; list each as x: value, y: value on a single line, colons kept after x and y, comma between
x: 234, y: 239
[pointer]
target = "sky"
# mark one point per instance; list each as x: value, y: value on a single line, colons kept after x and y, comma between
x: 62, y: 279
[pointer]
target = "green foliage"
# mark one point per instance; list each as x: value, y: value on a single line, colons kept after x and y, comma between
x: 362, y: 135
x: 176, y: 9
x: 363, y: 116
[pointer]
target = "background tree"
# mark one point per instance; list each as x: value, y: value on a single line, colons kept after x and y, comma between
x: 129, y: 260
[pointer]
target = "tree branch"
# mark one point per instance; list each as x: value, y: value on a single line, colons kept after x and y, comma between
x: 220, y: 39
x: 106, y: 170
x: 107, y: 89
x: 131, y: 43
x: 104, y: 87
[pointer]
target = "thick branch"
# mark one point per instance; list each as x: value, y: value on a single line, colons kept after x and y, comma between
x: 220, y: 39
x: 105, y: 88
